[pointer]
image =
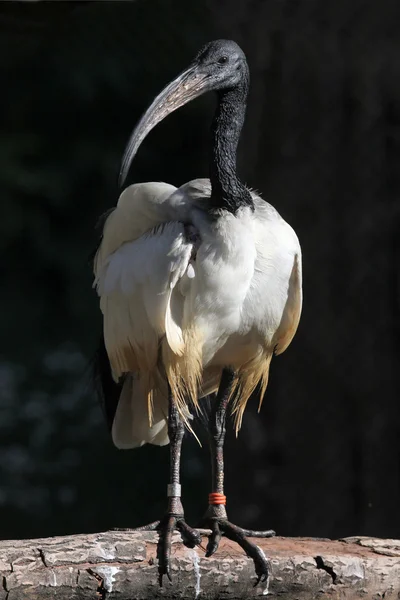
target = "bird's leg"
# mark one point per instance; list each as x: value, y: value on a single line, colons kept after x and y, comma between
x: 216, y: 516
x: 174, y: 517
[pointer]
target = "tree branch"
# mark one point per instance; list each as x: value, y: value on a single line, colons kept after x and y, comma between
x: 123, y: 565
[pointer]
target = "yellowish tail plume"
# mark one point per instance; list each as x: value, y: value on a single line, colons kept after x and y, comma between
x: 255, y: 372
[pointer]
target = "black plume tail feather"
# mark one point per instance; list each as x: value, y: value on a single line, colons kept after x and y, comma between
x: 108, y: 391
x: 203, y: 413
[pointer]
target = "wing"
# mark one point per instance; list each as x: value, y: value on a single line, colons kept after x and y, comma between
x: 135, y: 284
x: 144, y: 206
x: 143, y: 272
x: 144, y: 254
x: 140, y: 208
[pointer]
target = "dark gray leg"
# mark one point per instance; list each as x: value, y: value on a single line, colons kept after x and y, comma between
x: 174, y: 517
x: 216, y: 517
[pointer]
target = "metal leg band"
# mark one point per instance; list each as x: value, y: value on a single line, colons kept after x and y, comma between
x: 174, y: 489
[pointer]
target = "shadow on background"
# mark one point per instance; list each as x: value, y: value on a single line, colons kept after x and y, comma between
x: 321, y: 143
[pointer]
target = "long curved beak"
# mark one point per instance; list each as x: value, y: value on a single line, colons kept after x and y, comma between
x: 188, y: 85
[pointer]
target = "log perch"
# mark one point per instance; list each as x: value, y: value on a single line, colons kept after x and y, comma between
x: 123, y: 565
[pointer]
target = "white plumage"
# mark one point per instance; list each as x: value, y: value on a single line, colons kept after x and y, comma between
x: 184, y: 295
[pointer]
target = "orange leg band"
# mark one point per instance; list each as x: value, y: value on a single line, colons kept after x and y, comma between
x: 216, y: 498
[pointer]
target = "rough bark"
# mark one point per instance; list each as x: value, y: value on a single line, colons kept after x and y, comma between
x: 123, y: 565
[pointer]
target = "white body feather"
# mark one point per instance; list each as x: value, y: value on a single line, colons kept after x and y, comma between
x: 175, y: 283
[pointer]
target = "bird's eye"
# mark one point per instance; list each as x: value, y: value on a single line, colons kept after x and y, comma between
x: 223, y: 60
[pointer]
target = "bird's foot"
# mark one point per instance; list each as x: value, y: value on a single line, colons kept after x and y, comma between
x: 190, y: 537
x: 165, y: 527
x: 216, y: 519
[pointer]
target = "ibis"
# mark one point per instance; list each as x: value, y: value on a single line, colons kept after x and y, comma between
x: 199, y: 287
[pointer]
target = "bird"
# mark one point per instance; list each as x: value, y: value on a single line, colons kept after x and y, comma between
x: 199, y: 287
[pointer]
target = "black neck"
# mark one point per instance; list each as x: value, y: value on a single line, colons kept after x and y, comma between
x: 227, y: 191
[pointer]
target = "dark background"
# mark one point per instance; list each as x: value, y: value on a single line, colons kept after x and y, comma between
x: 321, y: 142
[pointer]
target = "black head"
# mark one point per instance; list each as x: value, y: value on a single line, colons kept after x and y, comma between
x: 221, y: 65
x: 224, y: 63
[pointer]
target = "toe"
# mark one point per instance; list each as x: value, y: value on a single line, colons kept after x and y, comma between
x: 190, y: 537
x: 259, y: 534
x: 237, y: 535
x: 166, y: 530
x: 214, y: 539
x: 261, y: 566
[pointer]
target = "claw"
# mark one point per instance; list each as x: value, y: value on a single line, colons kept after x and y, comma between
x: 166, y: 572
x: 214, y: 539
x: 261, y: 565
x: 261, y: 578
x: 160, y: 578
